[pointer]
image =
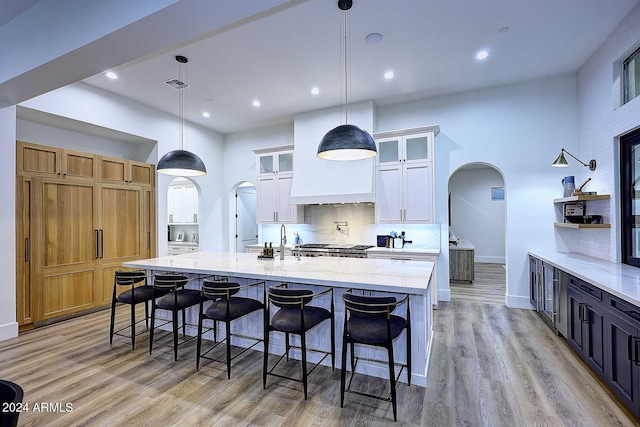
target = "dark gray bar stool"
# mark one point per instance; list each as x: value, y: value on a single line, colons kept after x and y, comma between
x: 297, y: 317
x: 368, y: 321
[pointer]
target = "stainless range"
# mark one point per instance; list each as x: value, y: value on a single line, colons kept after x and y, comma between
x: 328, y: 249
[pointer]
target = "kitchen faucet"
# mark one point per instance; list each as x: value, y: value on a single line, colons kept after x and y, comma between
x: 283, y: 240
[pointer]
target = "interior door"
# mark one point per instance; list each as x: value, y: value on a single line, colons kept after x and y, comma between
x: 246, y: 227
x: 25, y: 285
x: 67, y: 254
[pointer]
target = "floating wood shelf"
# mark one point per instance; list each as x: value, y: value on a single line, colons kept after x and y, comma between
x: 582, y: 198
x: 573, y: 225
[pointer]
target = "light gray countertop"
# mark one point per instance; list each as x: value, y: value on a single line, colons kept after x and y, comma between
x: 621, y: 280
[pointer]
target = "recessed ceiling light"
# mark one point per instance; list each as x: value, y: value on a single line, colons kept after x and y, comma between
x: 483, y: 54
x: 111, y: 75
x: 315, y: 91
x: 389, y: 75
x: 256, y: 103
x: 205, y: 114
x: 373, y: 38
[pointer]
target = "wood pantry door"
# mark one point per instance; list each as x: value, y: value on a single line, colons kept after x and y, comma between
x: 66, y: 251
x: 122, y: 234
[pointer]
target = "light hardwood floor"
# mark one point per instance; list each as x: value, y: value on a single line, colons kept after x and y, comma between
x: 489, y: 285
x: 491, y: 366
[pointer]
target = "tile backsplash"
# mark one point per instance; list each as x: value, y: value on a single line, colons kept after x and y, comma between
x: 322, y: 223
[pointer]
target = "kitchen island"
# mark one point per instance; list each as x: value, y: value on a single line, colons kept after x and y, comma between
x: 409, y: 277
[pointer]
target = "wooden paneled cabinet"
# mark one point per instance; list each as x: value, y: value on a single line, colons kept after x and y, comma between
x: 40, y: 160
x: 405, y: 176
x: 120, y: 171
x: 74, y: 233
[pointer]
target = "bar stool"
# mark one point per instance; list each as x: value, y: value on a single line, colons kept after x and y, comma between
x: 225, y: 307
x: 296, y: 316
x: 175, y: 298
x: 136, y: 294
x: 368, y: 321
x: 11, y: 395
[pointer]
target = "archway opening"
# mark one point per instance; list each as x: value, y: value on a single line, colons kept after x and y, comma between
x: 477, y: 225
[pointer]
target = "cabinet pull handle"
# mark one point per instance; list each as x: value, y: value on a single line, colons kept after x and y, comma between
x: 101, y: 243
x: 636, y: 341
x: 97, y: 244
x: 195, y: 217
x: 27, y: 249
x: 148, y: 240
x: 277, y: 216
x: 585, y: 313
x: 629, y: 340
x: 400, y: 214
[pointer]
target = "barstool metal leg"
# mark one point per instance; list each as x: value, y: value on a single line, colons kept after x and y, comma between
x: 133, y: 326
x: 303, y: 339
x: 343, y: 371
x: 174, y: 320
x: 113, y: 320
x: 228, y: 323
x: 265, y: 357
x: 392, y: 378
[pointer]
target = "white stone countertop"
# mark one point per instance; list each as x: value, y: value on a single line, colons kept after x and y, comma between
x: 173, y: 243
x: 407, y: 250
x: 621, y: 280
x: 362, y: 273
x: 463, y: 245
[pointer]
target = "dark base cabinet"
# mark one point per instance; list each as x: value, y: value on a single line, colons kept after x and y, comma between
x: 623, y: 330
x: 586, y: 307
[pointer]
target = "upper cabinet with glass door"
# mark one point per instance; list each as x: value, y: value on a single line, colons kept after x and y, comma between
x: 405, y: 149
x: 274, y: 163
x: 405, y: 176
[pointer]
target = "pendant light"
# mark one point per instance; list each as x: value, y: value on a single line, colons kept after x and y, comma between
x: 346, y: 142
x: 181, y: 162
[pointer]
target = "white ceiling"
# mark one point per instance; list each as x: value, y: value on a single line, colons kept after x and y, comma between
x: 430, y: 45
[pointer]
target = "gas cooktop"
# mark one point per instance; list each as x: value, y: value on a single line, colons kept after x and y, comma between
x: 346, y: 246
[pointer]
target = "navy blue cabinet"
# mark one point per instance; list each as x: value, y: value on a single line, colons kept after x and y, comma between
x: 586, y: 332
x: 623, y: 330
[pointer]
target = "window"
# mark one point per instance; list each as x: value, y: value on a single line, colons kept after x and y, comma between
x: 630, y: 197
x: 631, y: 76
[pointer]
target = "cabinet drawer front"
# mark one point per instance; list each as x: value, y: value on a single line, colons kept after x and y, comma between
x: 586, y: 288
x: 627, y: 311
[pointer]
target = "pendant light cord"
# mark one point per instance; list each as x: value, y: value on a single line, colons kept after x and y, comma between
x: 181, y: 107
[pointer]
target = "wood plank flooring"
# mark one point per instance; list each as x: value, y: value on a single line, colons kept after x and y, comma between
x: 489, y: 285
x: 491, y: 366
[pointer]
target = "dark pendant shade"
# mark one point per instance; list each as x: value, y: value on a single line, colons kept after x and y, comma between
x: 181, y: 163
x: 347, y: 142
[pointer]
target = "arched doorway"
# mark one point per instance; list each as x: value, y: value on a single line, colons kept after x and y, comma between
x: 477, y: 216
x: 245, y: 226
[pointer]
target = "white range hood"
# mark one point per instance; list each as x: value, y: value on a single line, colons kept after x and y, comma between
x: 317, y: 181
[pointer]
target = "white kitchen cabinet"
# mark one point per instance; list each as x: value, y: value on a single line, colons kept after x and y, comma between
x: 182, y: 204
x: 405, y: 176
x: 275, y: 176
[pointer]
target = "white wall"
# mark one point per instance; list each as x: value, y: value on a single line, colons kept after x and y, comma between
x: 8, y: 324
x: 519, y: 129
x: 599, y: 126
x: 239, y: 164
x: 48, y: 135
x: 471, y: 205
x: 88, y: 104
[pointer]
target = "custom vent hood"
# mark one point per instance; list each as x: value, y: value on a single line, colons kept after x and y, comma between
x: 318, y: 181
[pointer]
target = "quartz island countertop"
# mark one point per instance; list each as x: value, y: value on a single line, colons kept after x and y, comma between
x: 362, y: 273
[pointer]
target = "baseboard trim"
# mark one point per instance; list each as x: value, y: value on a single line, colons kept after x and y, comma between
x: 490, y: 259
x: 513, y: 301
x: 444, y: 294
x: 8, y: 331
